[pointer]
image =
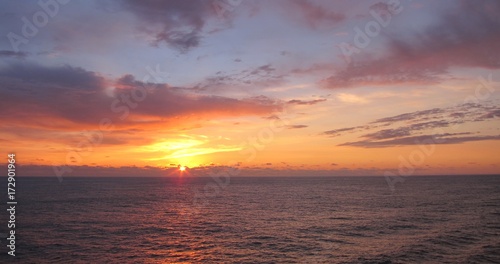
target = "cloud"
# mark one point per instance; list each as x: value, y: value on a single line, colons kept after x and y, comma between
x: 261, y: 76
x: 40, y: 95
x: 381, y: 72
x: 411, y: 116
x: 314, y: 15
x: 263, y: 70
x: 337, y: 132
x: 466, y: 35
x: 492, y: 114
x: 37, y: 95
x: 177, y: 23
x: 296, y: 126
x: 65, y: 77
x: 303, y: 102
x: 408, y: 127
x: 389, y: 133
x: 462, y: 113
x: 272, y: 117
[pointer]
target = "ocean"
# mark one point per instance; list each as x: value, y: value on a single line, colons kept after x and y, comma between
x: 439, y: 219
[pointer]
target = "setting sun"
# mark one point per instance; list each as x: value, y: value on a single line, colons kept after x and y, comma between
x: 182, y: 168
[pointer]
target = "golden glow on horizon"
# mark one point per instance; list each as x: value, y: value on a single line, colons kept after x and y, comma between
x: 186, y: 147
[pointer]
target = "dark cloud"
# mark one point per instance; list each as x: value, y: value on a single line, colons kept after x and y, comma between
x: 183, y: 41
x: 9, y: 53
x: 58, y: 76
x: 263, y: 70
x: 389, y: 133
x: 34, y: 94
x: 492, y: 114
x: 303, y: 102
x: 177, y: 23
x: 431, y: 124
x: 261, y: 76
x: 467, y: 35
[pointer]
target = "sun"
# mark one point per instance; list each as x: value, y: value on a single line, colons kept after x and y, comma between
x: 182, y: 168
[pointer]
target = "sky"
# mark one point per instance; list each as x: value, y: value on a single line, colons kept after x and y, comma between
x: 250, y: 87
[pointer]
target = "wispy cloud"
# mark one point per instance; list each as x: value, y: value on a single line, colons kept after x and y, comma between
x: 176, y: 23
x: 255, y: 77
x: 304, y: 102
x: 419, y: 140
x: 314, y: 14
x: 338, y: 132
x: 409, y: 128
x: 296, y: 126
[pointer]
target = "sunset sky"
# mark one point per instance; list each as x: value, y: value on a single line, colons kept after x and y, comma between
x: 282, y: 87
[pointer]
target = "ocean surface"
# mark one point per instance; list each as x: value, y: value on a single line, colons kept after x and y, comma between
x: 446, y: 219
